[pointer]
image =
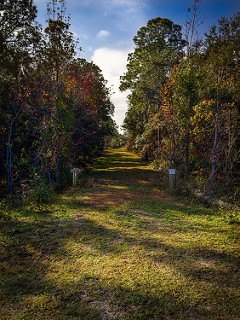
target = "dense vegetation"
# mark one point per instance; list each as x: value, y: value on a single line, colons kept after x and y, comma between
x: 184, y: 105
x: 55, y: 110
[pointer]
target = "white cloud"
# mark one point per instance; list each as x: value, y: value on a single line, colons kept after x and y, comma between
x: 103, y: 34
x: 113, y: 63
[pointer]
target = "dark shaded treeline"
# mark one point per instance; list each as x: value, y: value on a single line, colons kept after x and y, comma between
x: 55, y: 110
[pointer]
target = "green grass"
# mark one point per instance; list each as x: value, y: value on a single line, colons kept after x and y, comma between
x: 120, y: 248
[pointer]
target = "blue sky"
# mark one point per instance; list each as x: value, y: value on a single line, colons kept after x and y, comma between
x: 105, y: 29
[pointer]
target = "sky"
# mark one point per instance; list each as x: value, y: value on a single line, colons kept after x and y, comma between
x: 105, y: 29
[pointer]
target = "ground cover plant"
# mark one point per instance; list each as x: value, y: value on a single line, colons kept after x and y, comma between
x: 118, y: 247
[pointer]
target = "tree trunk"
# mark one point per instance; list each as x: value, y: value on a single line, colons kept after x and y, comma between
x: 215, y: 146
x: 186, y: 173
x: 173, y: 150
x: 9, y: 161
x: 9, y: 156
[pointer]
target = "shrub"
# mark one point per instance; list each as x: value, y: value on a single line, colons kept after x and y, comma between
x: 232, y: 215
x: 40, y: 192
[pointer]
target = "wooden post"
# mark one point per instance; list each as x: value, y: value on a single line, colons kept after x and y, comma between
x: 172, y: 178
x: 75, y: 172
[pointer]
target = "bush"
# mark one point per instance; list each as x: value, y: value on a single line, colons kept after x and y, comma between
x: 232, y: 215
x: 66, y: 177
x: 160, y: 164
x: 40, y: 192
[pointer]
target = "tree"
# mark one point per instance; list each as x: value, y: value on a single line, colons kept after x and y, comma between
x: 158, y: 47
x: 78, y: 129
x: 92, y: 110
x: 56, y: 109
x: 186, y: 95
x: 57, y: 53
x: 221, y: 65
x: 19, y: 34
x: 187, y: 80
x: 159, y: 44
x: 168, y: 123
x: 59, y: 45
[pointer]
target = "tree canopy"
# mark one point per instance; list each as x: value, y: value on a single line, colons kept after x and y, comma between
x: 55, y: 109
x: 184, y: 101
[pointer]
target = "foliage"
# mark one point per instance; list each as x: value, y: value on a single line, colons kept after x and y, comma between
x: 232, y: 216
x: 56, y: 109
x: 158, y: 47
x: 19, y: 36
x: 221, y: 62
x: 184, y: 111
x: 40, y: 192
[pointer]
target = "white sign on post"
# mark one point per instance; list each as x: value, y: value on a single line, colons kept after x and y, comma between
x: 172, y: 178
x: 75, y: 172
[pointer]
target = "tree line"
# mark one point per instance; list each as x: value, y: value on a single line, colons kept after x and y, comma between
x: 55, y: 109
x: 184, y: 104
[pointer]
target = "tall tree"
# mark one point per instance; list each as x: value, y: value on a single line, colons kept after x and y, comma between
x: 158, y: 47
x: 92, y: 110
x: 59, y: 47
x: 57, y: 53
x: 19, y: 34
x: 78, y: 129
x: 185, y: 96
x: 222, y: 77
x: 187, y: 80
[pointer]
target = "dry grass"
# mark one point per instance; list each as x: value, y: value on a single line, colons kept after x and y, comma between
x: 121, y: 248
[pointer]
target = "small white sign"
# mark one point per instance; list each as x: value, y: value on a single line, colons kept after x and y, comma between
x: 171, y: 171
x: 75, y: 170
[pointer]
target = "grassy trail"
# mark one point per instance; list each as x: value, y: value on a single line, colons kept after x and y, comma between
x: 118, y: 248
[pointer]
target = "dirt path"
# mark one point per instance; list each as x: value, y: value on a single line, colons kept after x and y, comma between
x: 121, y: 176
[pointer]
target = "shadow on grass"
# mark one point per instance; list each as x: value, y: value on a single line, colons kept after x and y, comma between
x: 30, y: 247
x: 129, y: 176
